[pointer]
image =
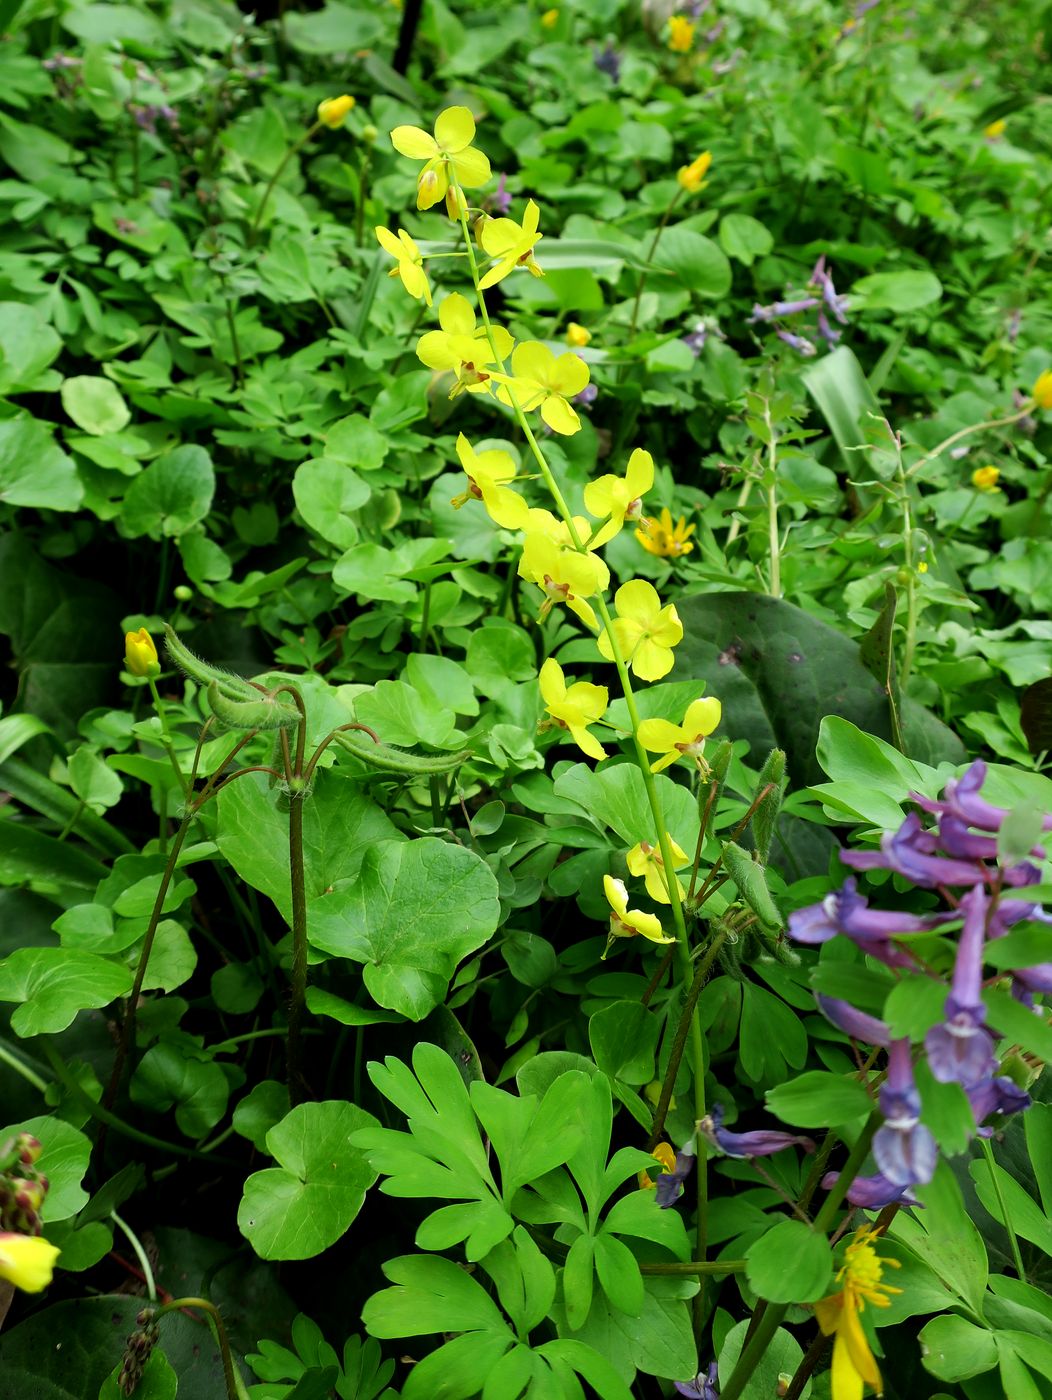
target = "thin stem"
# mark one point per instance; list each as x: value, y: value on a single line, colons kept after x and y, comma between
x: 1006, y: 1220
x: 298, y: 789
x: 740, y: 504
x: 140, y: 1254
x: 29, y: 1075
x: 169, y: 746
x: 988, y: 425
x: 235, y: 1386
x: 696, y: 1266
x: 650, y: 258
x: 773, y: 535
x: 292, y: 151
x: 812, y: 1356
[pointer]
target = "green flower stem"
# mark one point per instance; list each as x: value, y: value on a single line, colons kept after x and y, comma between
x: 298, y: 789
x: 696, y: 1267
x: 985, y: 426
x: 29, y: 1075
x: 773, y: 532
x: 650, y: 258
x: 235, y: 1386
x: 1006, y: 1219
x: 140, y: 1254
x: 772, y: 1317
x: 158, y: 705
x: 308, y: 135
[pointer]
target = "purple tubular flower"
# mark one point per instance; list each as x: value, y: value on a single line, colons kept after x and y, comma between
x: 999, y: 1095
x: 588, y: 395
x: 846, y: 911
x: 669, y: 1186
x: 854, y: 1023
x: 907, y: 852
x: 501, y: 199
x: 872, y: 1192
x: 823, y: 280
x: 762, y: 1143
x: 782, y: 308
x: 702, y: 1387
x: 903, y: 1148
x: 608, y: 61
x: 799, y: 343
x: 826, y: 331
x: 962, y: 800
x: 960, y: 1050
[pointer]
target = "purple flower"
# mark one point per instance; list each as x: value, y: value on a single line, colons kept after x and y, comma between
x: 781, y: 308
x: 702, y: 1387
x: 846, y: 911
x: 854, y: 1023
x: 872, y: 1192
x: 588, y: 395
x: 907, y: 852
x: 960, y: 1050
x: 826, y: 331
x: 962, y: 800
x: 999, y: 1095
x: 762, y: 1143
x: 903, y: 1148
x: 823, y: 280
x: 797, y: 342
x: 500, y: 200
x: 669, y: 1186
x: 608, y: 61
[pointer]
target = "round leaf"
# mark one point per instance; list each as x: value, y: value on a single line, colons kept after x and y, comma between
x: 171, y: 495
x: 95, y: 404
x: 326, y: 493
x: 791, y: 1263
x: 53, y: 984
x: 33, y: 470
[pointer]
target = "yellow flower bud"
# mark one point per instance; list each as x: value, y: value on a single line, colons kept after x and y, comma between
x: 985, y: 478
x: 1043, y: 389
x: 680, y: 34
x: 550, y: 19
x: 577, y: 335
x: 995, y: 130
x: 333, y: 110
x: 692, y: 177
x: 140, y: 654
x: 27, y: 1261
x: 455, y: 203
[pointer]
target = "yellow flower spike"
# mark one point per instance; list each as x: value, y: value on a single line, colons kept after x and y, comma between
x: 628, y: 923
x: 664, y: 539
x: 140, y: 654
x: 550, y: 19
x: 646, y: 632
x: 463, y: 346
x: 409, y: 263
x: 332, y: 111
x: 1043, y: 389
x: 563, y: 575
x: 995, y: 130
x: 488, y: 474
x: 692, y: 177
x: 860, y: 1278
x: 578, y: 336
x: 620, y: 498
x: 986, y: 479
x: 574, y: 708
x: 645, y: 859
x: 686, y: 740
x: 449, y: 150
x: 27, y: 1261
x: 665, y: 1156
x: 512, y: 244
x: 546, y: 381
x: 680, y: 34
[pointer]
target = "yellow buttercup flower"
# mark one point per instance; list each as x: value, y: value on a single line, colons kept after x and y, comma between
x: 463, y: 346
x: 488, y: 474
x: 546, y: 381
x: 665, y: 1156
x: 574, y: 708
x: 646, y: 632
x: 140, y: 654
x: 986, y: 478
x: 664, y: 539
x: 620, y: 498
x: 563, y: 575
x: 686, y: 740
x: 27, y: 1261
x: 645, y: 859
x: 1043, y: 389
x: 409, y: 265
x: 680, y: 34
x: 448, y: 153
x: 628, y: 923
x: 512, y: 244
x: 333, y: 110
x: 995, y: 130
x: 692, y: 177
x: 578, y: 336
x: 854, y: 1367
x: 550, y: 19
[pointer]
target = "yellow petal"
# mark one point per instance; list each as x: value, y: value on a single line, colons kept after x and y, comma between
x: 639, y: 477
x: 454, y: 129
x: 650, y: 661
x: 504, y: 506
x: 456, y: 316
x: 649, y: 925
x: 669, y: 629
x: 659, y: 735
x: 503, y: 341
x: 579, y: 607
x: 702, y: 716
x: 388, y: 241
x: 27, y: 1261
x: 431, y: 185
x: 666, y: 762
x: 586, y: 742
x: 571, y: 374
x: 616, y: 894
x: 828, y: 1312
x: 434, y: 350
x: 846, y: 1381
x: 412, y: 142
x: 854, y: 1339
x: 552, y: 682
x: 559, y: 416
x: 637, y: 599
x: 589, y: 701
x: 472, y: 168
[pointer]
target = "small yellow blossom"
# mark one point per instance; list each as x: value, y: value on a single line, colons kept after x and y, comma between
x: 680, y: 34
x: 578, y: 336
x: 686, y: 740
x: 550, y: 19
x: 563, y: 575
x: 463, y: 346
x: 140, y: 654
x: 692, y: 177
x: 546, y: 381
x: 995, y: 130
x: 410, y: 263
x: 574, y: 707
x: 541, y: 521
x: 838, y: 1315
x: 448, y: 153
x: 646, y: 632
x: 627, y: 923
x: 645, y: 859
x: 620, y: 498
x: 27, y: 1261
x: 512, y: 244
x: 986, y: 478
x: 1043, y: 389
x: 665, y: 1156
x: 333, y: 110
x: 488, y: 474
x: 664, y: 539
x: 922, y: 567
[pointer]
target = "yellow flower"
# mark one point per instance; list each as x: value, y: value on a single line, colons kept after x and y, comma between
x: 922, y: 567
x: 574, y: 708
x: 463, y: 346
x: 680, y: 34
x: 645, y: 631
x: 986, y: 478
x: 448, y: 152
x: 686, y: 740
x: 409, y: 265
x: 1043, y: 389
x: 550, y: 19
x: 692, y: 177
x: 333, y: 110
x: 664, y: 539
x: 627, y: 923
x: 512, y: 244
x: 487, y: 472
x: 546, y: 381
x: 140, y: 654
x: 577, y: 336
x: 645, y: 859
x: 620, y: 498
x: 995, y: 130
x: 838, y: 1315
x: 563, y: 575
x: 665, y: 1156
x: 27, y: 1261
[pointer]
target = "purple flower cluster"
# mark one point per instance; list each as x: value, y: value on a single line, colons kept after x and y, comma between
x: 146, y: 116
x: 959, y: 852
x: 824, y: 299
x: 702, y: 1387
x: 761, y: 1142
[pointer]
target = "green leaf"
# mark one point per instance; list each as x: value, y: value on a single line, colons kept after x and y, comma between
x: 431, y: 1294
x: 696, y: 261
x: 577, y: 1280
x: 1038, y: 1126
x: 307, y: 1202
x: 53, y: 984
x: 158, y: 1381
x: 1024, y: 1214
x: 818, y: 1100
x: 619, y: 1274
x: 783, y: 1356
x: 34, y: 471
x: 97, y: 786
x: 327, y: 494
x: 946, y: 1239
x: 791, y: 1263
x: 895, y: 291
x: 1017, y: 1023
x: 95, y: 404
x: 28, y: 344
x: 839, y: 387
x: 264, y: 1106
x: 954, y: 1349
x: 745, y: 238
x: 171, y: 495
x: 64, y: 1161
x: 623, y: 1037
x: 170, y: 1073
